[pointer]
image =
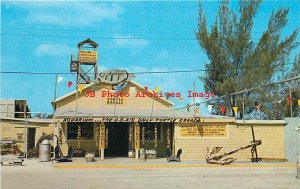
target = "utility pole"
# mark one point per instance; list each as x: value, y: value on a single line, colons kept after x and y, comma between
x: 194, y: 90
x: 26, y: 130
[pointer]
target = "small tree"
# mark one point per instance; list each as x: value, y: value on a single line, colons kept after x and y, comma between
x: 236, y: 61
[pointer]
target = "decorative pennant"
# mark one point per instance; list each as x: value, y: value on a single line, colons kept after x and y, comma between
x: 59, y: 79
x: 119, y: 88
x: 269, y: 105
x: 298, y: 102
x: 289, y: 100
x: 94, y: 88
x: 196, y: 110
x: 223, y: 109
x: 197, y: 104
x: 167, y: 96
x: 279, y: 101
x: 180, y: 98
x: 80, y: 88
x: 258, y: 107
x: 70, y: 83
x: 209, y: 107
x: 156, y: 89
x: 235, y: 109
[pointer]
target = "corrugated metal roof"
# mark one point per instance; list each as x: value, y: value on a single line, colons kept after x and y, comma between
x: 30, y: 120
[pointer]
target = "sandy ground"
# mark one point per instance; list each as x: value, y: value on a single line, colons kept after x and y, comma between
x: 151, y: 174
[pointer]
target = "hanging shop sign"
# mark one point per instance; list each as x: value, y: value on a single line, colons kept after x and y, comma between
x: 209, y: 130
x: 127, y: 119
x: 87, y: 55
x: 115, y: 77
x: 117, y: 101
x: 136, y: 136
x: 102, y: 136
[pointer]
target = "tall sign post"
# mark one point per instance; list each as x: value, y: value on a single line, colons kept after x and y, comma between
x: 101, y: 140
x: 136, y: 139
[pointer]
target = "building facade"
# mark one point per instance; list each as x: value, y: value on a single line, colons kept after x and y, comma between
x: 113, y: 123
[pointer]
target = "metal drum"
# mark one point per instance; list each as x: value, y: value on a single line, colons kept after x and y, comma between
x: 44, y: 151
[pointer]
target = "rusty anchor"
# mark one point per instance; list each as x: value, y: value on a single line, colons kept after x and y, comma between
x: 212, y: 158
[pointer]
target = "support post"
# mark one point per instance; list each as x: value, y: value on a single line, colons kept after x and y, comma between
x: 101, y: 140
x: 26, y: 130
x: 255, y: 150
x: 102, y: 154
x: 136, y: 139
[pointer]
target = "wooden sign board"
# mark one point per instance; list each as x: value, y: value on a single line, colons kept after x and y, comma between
x: 102, y: 136
x: 116, y: 101
x: 126, y: 119
x: 136, y: 136
x: 87, y: 55
x: 208, y: 130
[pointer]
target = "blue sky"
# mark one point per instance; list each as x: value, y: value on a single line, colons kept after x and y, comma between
x: 38, y: 36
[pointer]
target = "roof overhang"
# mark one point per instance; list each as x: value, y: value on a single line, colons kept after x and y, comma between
x: 124, y: 115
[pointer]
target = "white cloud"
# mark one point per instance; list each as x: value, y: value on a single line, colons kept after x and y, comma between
x: 71, y: 13
x: 53, y: 50
x: 129, y: 40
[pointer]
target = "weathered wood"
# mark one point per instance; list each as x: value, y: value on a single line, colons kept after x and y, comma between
x: 213, y: 159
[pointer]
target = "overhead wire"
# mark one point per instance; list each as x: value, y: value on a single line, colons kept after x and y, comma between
x: 241, y: 92
x: 145, y: 72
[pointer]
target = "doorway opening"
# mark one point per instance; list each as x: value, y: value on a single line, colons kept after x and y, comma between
x: 118, y: 142
x: 31, y: 138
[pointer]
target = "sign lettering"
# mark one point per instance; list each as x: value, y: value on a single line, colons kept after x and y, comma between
x: 87, y: 55
x: 127, y: 119
x: 203, y: 131
x: 120, y: 101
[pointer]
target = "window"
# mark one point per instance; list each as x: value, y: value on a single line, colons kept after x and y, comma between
x: 149, y: 130
x: 86, y: 131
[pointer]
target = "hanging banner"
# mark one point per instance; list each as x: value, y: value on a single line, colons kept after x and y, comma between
x: 209, y: 107
x: 59, y: 79
x: 155, y: 136
x: 80, y: 88
x: 235, y: 109
x: 168, y: 137
x: 102, y: 136
x: 208, y: 130
x: 223, y: 109
x: 289, y: 100
x: 70, y: 83
x: 136, y: 136
x: 298, y: 102
x: 196, y: 110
